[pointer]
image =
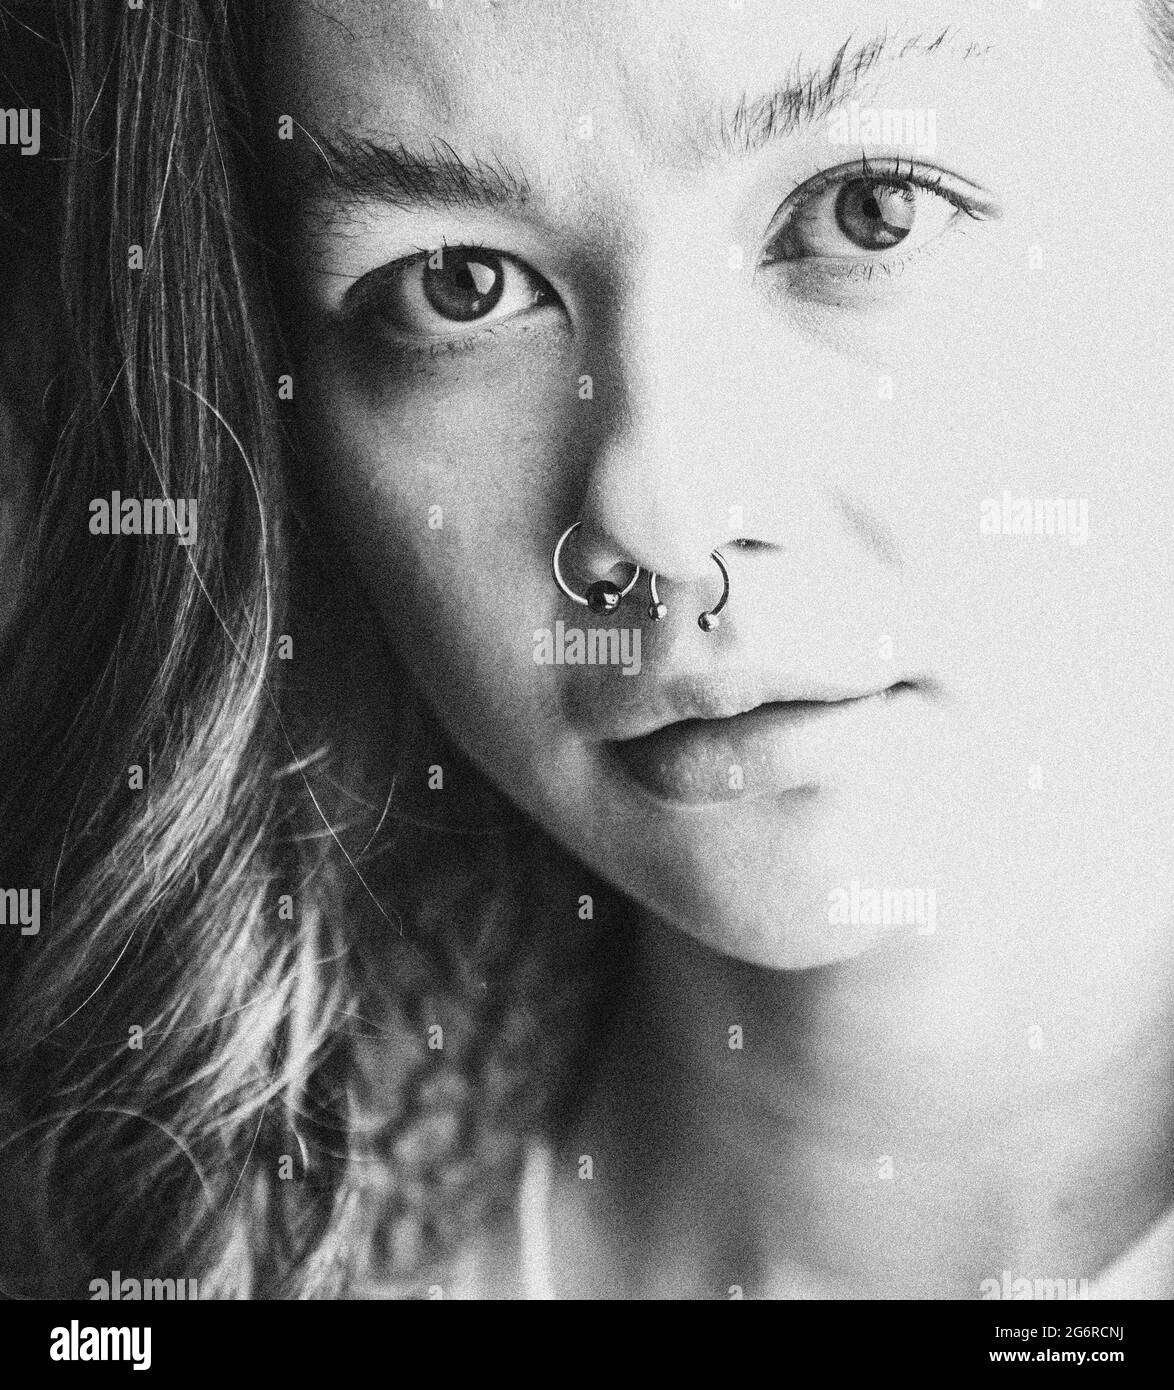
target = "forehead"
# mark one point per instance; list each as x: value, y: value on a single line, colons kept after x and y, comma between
x: 521, y: 75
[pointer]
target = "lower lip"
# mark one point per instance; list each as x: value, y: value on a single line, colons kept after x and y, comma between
x: 769, y: 751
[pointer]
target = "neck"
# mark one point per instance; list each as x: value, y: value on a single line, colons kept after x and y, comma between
x: 895, y: 1126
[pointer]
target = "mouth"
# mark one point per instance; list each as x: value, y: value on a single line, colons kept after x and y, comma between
x: 774, y: 747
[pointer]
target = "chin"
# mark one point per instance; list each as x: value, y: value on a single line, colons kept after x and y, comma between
x: 799, y: 927
x: 814, y: 881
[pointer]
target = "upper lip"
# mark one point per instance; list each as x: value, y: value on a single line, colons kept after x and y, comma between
x: 615, y: 714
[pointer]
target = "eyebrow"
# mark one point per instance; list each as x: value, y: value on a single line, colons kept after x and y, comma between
x: 808, y: 97
x: 358, y: 169
x: 353, y: 168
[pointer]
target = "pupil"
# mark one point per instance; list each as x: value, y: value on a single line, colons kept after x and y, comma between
x: 465, y: 285
x: 875, y: 216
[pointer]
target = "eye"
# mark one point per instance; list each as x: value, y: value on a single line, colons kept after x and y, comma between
x: 860, y: 213
x: 430, y: 295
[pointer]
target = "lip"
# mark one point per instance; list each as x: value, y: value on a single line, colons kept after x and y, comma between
x: 616, y: 711
x: 765, y: 748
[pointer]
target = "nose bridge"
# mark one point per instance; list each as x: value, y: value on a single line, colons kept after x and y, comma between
x: 663, y: 471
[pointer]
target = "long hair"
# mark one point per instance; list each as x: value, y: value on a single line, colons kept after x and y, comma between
x: 283, y: 1029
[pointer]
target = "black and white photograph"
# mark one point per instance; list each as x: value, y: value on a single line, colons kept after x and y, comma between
x: 587, y: 665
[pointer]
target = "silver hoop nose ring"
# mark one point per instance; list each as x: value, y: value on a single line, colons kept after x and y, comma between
x: 711, y: 618
x: 601, y: 597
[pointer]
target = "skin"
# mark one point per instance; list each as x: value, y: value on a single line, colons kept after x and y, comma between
x: 911, y: 1111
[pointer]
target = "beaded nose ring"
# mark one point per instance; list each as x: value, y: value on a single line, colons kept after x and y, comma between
x: 601, y: 597
x: 604, y: 597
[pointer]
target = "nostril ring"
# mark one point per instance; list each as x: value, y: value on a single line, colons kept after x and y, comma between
x: 602, y: 596
x: 708, y: 621
x: 656, y: 609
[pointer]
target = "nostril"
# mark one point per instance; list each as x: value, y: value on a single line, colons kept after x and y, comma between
x: 596, y: 558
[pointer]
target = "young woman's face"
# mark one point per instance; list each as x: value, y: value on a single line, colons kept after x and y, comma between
x: 887, y: 324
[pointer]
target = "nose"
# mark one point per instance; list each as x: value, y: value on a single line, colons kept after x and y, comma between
x: 677, y: 413
x: 658, y: 491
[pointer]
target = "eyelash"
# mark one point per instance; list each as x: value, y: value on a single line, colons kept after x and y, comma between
x: 931, y: 180
x: 402, y: 348
x: 889, y: 173
x: 863, y: 268
x: 444, y: 346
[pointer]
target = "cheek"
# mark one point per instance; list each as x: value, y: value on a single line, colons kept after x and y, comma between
x: 447, y: 486
x: 1054, y: 388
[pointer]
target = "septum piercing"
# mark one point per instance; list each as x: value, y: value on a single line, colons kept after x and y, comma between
x: 605, y: 597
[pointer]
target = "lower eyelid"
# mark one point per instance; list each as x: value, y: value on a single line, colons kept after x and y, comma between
x: 394, y: 345
x: 405, y: 348
x: 814, y: 270
x: 445, y: 346
x: 868, y: 266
